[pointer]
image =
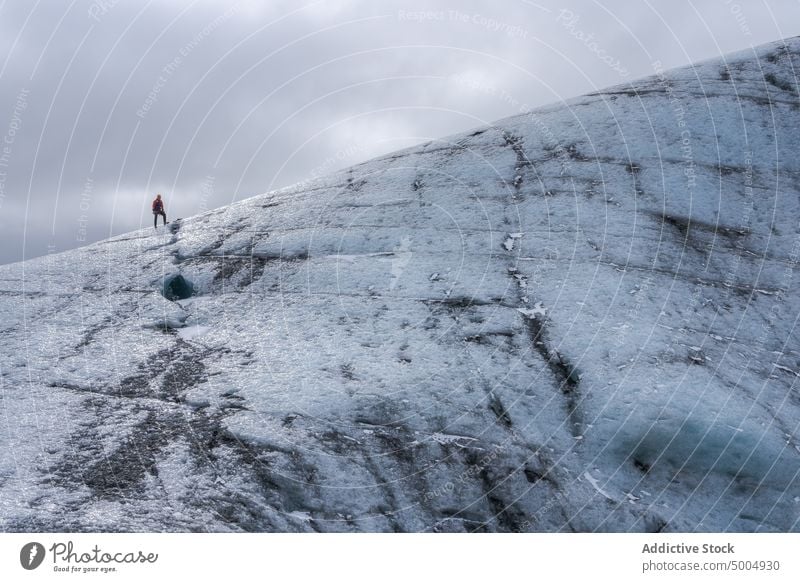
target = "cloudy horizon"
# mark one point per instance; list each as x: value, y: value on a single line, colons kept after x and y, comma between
x: 104, y: 103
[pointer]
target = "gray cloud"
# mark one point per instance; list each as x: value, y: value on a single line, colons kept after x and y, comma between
x: 123, y: 99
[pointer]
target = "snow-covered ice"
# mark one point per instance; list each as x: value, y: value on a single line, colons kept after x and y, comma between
x: 521, y: 328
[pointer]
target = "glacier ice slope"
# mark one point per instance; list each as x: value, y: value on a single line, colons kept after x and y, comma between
x: 582, y: 318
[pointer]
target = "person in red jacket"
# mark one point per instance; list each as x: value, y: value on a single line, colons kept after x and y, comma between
x: 158, y: 209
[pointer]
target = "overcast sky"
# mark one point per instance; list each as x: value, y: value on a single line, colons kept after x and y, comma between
x: 104, y: 103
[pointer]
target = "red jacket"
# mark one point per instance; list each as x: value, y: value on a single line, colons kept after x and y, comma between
x: 158, y: 205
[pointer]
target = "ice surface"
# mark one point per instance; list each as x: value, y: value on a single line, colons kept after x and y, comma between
x: 581, y: 318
